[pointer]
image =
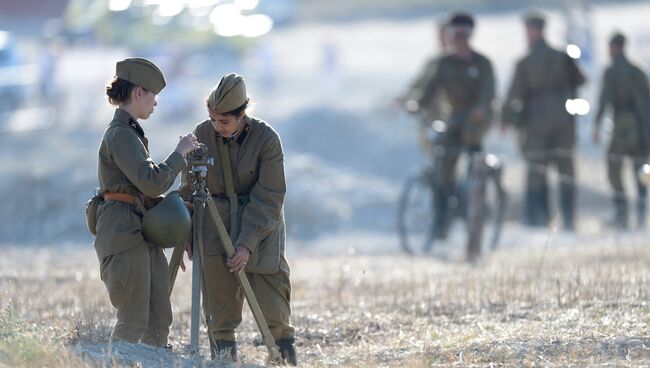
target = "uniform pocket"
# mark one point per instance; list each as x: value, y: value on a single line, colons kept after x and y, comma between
x: 113, y: 275
x: 247, y: 176
x: 266, y: 259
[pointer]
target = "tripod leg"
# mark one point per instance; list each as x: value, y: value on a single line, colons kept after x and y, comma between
x: 196, y: 276
x: 269, y: 341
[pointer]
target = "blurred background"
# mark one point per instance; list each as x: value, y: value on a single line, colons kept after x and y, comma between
x: 323, y: 73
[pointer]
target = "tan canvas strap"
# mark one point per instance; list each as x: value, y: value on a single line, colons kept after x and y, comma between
x: 224, y: 157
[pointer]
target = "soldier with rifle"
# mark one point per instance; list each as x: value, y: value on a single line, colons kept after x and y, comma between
x: 625, y: 90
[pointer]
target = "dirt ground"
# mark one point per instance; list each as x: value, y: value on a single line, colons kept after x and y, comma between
x: 539, y: 305
x: 545, y: 298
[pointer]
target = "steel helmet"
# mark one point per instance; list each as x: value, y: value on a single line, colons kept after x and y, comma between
x: 168, y: 223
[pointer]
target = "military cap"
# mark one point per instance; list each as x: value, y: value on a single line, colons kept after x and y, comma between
x: 617, y: 39
x: 461, y: 19
x: 228, y: 95
x: 141, y: 72
x: 535, y: 19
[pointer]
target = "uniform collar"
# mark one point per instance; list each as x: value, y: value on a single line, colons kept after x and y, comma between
x: 620, y: 58
x: 472, y: 56
x: 538, y: 45
x: 122, y: 117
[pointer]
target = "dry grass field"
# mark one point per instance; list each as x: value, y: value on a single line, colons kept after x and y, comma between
x: 541, y: 305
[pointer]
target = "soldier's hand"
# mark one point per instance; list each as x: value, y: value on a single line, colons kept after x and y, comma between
x: 187, y: 144
x: 238, y: 260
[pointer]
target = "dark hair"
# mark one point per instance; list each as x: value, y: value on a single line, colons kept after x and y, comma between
x: 462, y: 19
x: 238, y: 111
x: 617, y: 39
x: 535, y: 19
x: 119, y: 90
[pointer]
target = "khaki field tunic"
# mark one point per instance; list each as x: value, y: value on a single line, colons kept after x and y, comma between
x: 125, y: 166
x: 625, y: 89
x: 543, y: 81
x: 257, y: 163
x: 465, y: 84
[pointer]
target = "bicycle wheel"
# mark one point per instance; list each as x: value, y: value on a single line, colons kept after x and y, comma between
x: 415, y: 213
x: 486, y: 205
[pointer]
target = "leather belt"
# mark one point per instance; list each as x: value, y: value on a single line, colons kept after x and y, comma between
x: 120, y: 197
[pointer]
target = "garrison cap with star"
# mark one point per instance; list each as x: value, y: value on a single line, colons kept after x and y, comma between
x: 141, y: 72
x: 229, y: 95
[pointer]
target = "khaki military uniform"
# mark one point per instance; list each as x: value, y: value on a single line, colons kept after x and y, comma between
x: 536, y: 104
x: 434, y: 108
x: 257, y: 163
x: 625, y: 89
x: 466, y: 85
x: 134, y: 271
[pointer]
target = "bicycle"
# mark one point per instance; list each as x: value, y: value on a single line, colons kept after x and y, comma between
x: 479, y: 199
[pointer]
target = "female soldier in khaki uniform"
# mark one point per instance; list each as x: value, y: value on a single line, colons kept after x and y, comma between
x: 257, y: 174
x: 134, y: 271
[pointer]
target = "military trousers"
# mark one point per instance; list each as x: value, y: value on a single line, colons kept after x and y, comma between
x: 223, y: 298
x: 444, y: 187
x: 615, y: 162
x: 537, y: 194
x: 138, y: 287
x: 548, y: 143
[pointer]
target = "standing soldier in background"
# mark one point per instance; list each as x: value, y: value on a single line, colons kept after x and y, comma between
x: 625, y: 89
x: 544, y: 80
x: 466, y: 81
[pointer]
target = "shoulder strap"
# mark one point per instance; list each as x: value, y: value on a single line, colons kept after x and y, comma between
x: 226, y: 168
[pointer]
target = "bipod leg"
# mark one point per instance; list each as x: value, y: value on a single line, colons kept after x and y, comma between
x: 274, y: 356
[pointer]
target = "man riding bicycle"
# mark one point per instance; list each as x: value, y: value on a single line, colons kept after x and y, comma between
x: 464, y: 78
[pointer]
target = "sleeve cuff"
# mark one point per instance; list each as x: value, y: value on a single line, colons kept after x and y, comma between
x: 176, y: 161
x: 248, y: 240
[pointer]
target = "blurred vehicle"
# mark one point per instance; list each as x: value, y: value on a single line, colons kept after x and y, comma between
x: 14, y: 75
